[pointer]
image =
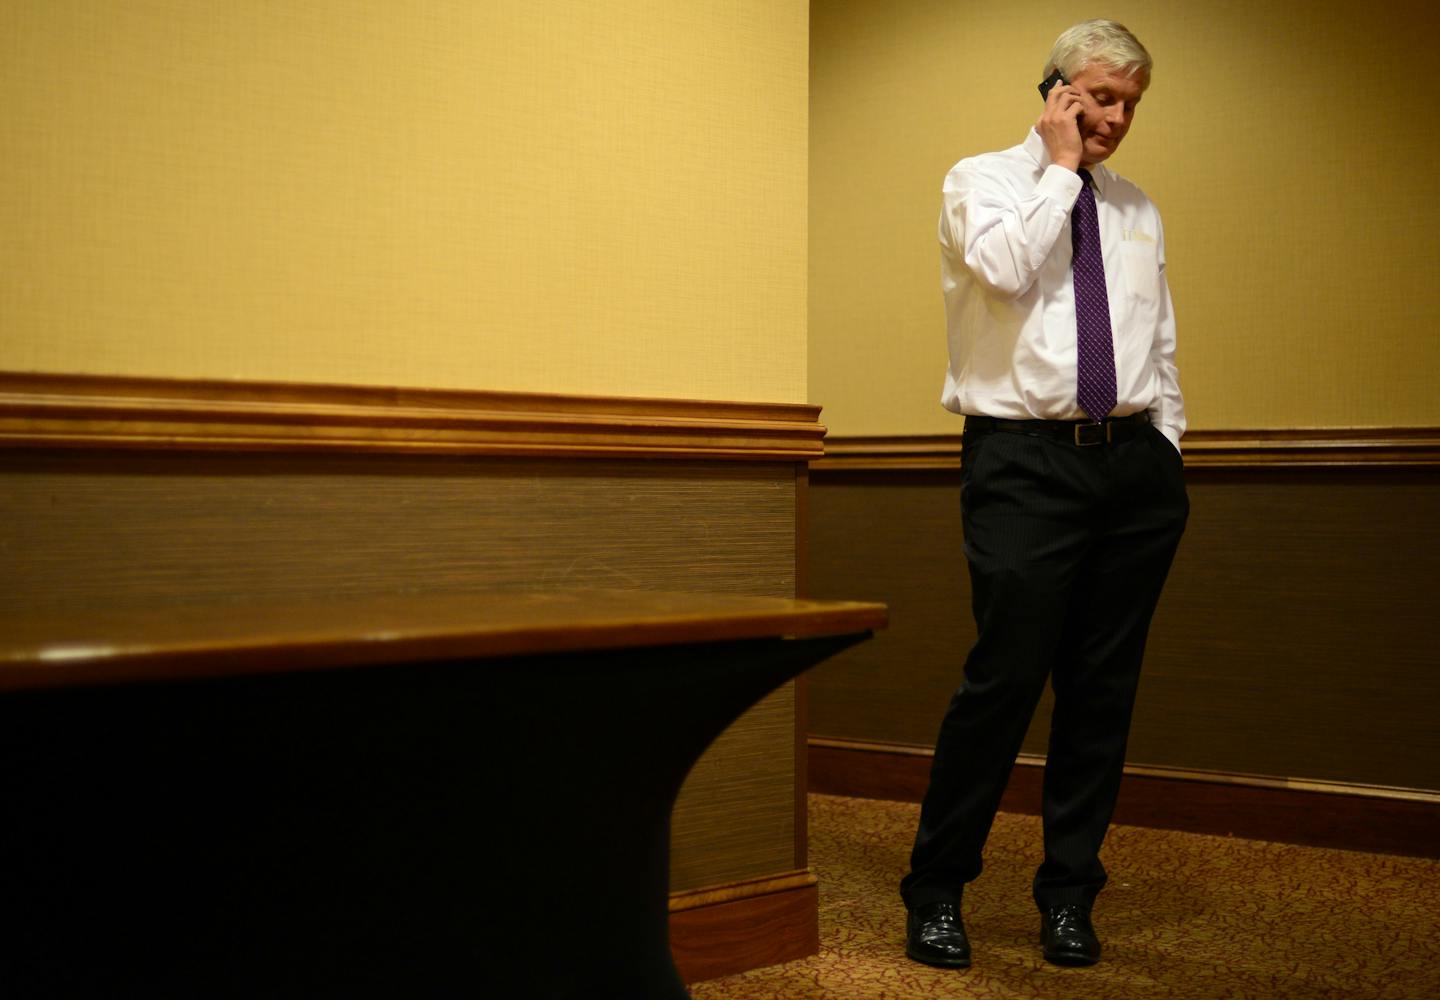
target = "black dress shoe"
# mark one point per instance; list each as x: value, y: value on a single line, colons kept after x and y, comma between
x: 935, y: 935
x: 1067, y: 936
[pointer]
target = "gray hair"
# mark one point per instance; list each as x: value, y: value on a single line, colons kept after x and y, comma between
x: 1099, y: 42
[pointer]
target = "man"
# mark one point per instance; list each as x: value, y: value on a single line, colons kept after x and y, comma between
x: 1062, y: 352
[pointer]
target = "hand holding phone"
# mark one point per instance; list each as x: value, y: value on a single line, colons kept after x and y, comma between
x: 1048, y: 84
x: 1063, y: 142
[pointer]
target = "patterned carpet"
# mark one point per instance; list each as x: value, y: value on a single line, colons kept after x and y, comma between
x: 1185, y: 916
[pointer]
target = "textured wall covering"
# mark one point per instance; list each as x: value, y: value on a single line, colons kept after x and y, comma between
x: 85, y: 530
x: 1281, y: 142
x: 1296, y: 637
x: 563, y: 196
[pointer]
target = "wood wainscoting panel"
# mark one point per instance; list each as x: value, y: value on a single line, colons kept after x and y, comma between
x: 127, y: 491
x: 90, y: 528
x: 139, y: 527
x: 897, y: 534
x: 1298, y: 636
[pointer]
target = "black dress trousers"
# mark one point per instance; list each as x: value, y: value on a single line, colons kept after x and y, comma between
x: 1068, y: 546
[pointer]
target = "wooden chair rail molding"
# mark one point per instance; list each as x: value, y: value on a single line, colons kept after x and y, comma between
x: 53, y: 410
x: 1299, y: 448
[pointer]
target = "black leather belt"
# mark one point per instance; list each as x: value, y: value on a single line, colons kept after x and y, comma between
x: 1080, y: 433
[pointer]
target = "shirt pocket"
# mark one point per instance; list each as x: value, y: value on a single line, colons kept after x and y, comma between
x: 1142, y: 269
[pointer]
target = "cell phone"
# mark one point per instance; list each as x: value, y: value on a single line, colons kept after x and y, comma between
x: 1047, y: 84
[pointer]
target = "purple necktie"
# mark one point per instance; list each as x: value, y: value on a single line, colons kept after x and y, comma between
x: 1094, y: 349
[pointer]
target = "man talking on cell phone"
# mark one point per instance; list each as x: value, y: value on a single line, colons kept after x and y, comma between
x: 1062, y: 361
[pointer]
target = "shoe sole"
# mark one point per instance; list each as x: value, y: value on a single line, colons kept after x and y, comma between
x: 939, y: 963
x: 1071, y: 959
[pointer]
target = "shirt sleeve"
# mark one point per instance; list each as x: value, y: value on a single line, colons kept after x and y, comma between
x: 1001, y: 235
x: 1168, y: 411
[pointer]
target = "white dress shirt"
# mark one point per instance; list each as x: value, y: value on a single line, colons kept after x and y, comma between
x: 1010, y: 298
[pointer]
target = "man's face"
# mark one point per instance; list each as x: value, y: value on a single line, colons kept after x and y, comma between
x: 1108, y: 97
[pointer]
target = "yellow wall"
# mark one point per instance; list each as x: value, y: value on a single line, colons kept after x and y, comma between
x: 589, y: 197
x: 1292, y: 150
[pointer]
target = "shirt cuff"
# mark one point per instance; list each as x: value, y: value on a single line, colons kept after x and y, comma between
x: 1061, y: 184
